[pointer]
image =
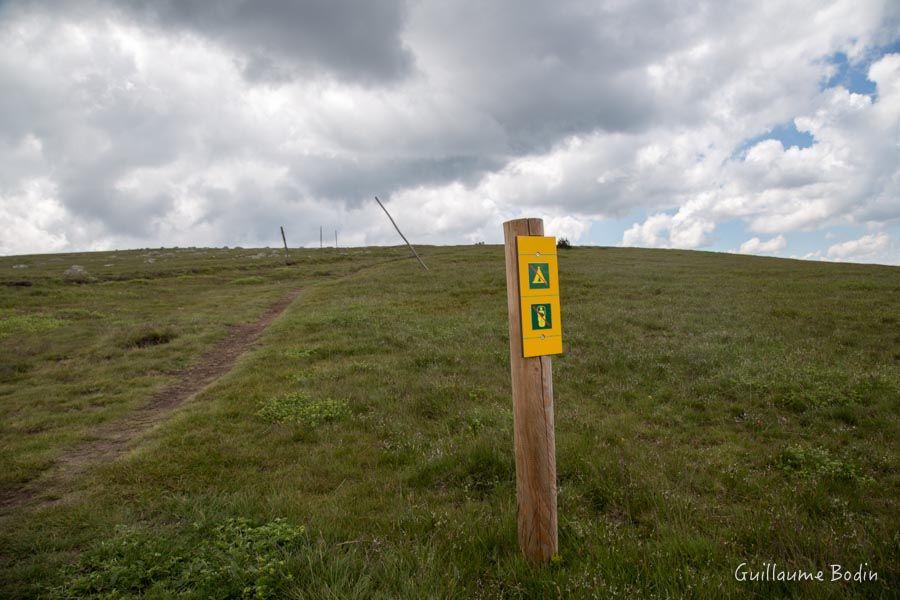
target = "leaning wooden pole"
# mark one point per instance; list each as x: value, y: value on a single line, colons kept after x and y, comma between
x: 534, y: 438
x: 287, y: 260
x: 416, y: 254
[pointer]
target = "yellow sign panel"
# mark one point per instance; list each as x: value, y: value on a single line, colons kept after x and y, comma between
x: 539, y: 295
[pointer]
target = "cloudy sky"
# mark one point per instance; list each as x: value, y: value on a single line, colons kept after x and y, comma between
x: 759, y: 127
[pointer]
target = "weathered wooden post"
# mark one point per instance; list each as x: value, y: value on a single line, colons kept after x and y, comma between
x: 535, y: 331
x: 287, y: 259
x: 394, y: 223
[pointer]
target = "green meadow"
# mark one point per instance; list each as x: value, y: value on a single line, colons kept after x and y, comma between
x: 711, y: 410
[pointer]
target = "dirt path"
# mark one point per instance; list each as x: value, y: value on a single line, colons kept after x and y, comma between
x: 113, y: 439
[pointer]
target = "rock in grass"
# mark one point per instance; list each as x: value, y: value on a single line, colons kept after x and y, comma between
x: 76, y: 273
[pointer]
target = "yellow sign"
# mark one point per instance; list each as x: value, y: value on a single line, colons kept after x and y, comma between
x: 539, y: 295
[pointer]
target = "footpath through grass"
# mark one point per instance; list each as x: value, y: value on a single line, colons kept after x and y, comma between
x: 711, y: 410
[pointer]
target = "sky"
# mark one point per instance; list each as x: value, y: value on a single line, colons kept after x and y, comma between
x: 767, y: 128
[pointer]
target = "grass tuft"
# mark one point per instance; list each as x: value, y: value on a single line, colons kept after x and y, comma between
x: 299, y: 352
x: 252, y: 280
x: 475, y: 470
x: 299, y: 409
x: 149, y: 335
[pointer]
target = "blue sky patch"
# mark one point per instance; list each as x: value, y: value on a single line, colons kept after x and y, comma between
x: 849, y: 75
x: 854, y: 76
x: 729, y: 235
x: 786, y: 133
x: 608, y: 232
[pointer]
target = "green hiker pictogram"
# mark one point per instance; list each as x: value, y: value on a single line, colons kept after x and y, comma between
x: 538, y: 276
x: 541, y: 318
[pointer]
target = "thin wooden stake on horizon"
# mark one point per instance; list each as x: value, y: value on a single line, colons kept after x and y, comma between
x: 286, y: 255
x: 534, y: 436
x: 416, y: 254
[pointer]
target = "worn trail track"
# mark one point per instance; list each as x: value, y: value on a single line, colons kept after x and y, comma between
x: 113, y: 439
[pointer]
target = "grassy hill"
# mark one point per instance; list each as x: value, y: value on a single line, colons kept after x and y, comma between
x: 711, y: 410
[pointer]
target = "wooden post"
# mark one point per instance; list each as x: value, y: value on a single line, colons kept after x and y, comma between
x: 535, y: 443
x: 416, y: 254
x: 286, y: 255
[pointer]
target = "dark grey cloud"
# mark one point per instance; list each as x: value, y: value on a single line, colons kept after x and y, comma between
x: 547, y: 71
x: 279, y: 39
x: 273, y: 39
x: 357, y: 180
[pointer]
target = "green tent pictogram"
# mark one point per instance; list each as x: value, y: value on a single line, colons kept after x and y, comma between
x: 538, y: 276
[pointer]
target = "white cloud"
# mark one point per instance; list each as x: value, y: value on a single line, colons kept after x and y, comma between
x: 849, y: 176
x: 682, y: 230
x: 566, y: 227
x: 31, y: 220
x: 756, y: 246
x: 649, y: 233
x: 868, y: 248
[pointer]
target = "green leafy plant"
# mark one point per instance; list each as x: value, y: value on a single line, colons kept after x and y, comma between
x: 234, y: 559
x: 27, y: 324
x: 814, y: 462
x: 299, y: 408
